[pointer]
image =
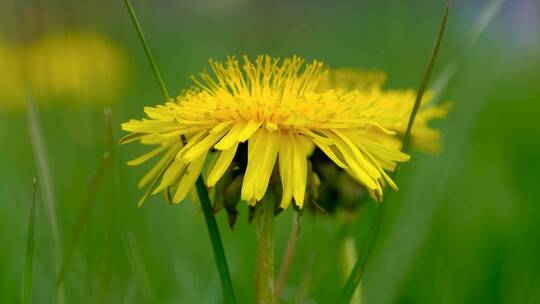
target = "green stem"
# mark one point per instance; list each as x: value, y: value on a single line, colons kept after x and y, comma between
x: 215, y: 238
x: 264, y: 219
x: 217, y: 245
x: 147, y: 51
x: 359, y: 267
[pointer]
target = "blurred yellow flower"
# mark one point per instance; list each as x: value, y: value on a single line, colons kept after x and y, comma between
x: 278, y: 110
x: 84, y: 66
x: 12, y: 89
x: 400, y: 102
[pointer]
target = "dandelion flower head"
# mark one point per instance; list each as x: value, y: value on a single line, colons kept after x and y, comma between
x: 83, y: 66
x: 275, y: 111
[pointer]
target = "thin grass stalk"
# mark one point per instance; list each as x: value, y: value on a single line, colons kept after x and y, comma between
x: 288, y: 256
x: 213, y: 230
x: 45, y: 180
x: 425, y: 80
x: 108, y: 214
x: 137, y: 266
x: 146, y: 48
x: 86, y: 209
x: 29, y: 256
x: 359, y: 268
x: 484, y: 18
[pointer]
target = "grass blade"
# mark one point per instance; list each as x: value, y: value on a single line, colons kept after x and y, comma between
x: 213, y: 230
x: 359, y: 268
x: 108, y: 214
x: 88, y: 204
x: 485, y: 17
x: 45, y: 179
x: 425, y: 78
x: 288, y: 256
x: 137, y: 266
x: 146, y: 48
x: 29, y: 258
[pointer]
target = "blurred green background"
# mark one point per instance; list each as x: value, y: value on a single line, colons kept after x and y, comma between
x: 464, y: 227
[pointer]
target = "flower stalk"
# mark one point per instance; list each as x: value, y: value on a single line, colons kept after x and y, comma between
x: 264, y: 221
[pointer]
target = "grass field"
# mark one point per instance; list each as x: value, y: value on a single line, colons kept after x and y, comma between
x: 463, y: 228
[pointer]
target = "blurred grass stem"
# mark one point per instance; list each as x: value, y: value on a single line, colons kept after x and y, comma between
x: 215, y: 238
x: 484, y: 18
x: 359, y: 268
x: 88, y: 203
x: 288, y: 256
x: 29, y: 257
x: 45, y: 179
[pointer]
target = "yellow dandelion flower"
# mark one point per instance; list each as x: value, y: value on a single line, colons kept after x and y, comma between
x: 274, y: 111
x: 12, y: 88
x: 400, y: 102
x: 85, y: 66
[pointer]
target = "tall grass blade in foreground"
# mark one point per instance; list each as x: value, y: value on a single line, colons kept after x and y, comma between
x: 108, y: 213
x: 29, y: 258
x: 137, y: 266
x: 147, y: 51
x: 88, y: 205
x: 215, y: 238
x: 45, y: 179
x: 485, y: 17
x: 288, y: 256
x: 358, y: 271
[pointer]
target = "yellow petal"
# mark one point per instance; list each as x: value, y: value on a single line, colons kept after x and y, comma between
x: 267, y: 165
x: 232, y: 137
x: 153, y: 173
x: 249, y: 130
x: 141, y: 159
x: 357, y: 155
x: 170, y: 176
x: 189, y: 178
x: 220, y: 166
x: 256, y: 146
x: 300, y: 172
x: 202, y: 146
x: 286, y: 160
x: 330, y: 153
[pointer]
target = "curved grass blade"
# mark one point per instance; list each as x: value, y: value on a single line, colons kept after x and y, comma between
x: 88, y: 204
x: 147, y: 51
x: 288, y: 256
x: 213, y: 230
x: 359, y: 268
x: 137, y: 266
x: 29, y: 257
x: 485, y: 17
x: 45, y: 180
x: 108, y: 215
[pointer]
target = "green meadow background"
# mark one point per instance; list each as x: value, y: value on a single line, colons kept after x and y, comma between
x: 464, y: 227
